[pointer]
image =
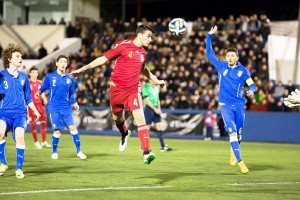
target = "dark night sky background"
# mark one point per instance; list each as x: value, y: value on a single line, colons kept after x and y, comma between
x: 191, y: 9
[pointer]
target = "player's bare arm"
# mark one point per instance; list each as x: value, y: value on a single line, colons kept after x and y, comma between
x: 35, y: 111
x: 76, y: 106
x: 97, y: 62
x: 44, y: 99
x: 213, y: 30
x: 153, y: 78
x: 149, y: 104
x: 37, y: 94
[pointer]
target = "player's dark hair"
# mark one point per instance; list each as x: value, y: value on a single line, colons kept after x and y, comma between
x: 33, y: 68
x: 62, y: 56
x: 7, y: 53
x: 232, y: 49
x: 142, y: 28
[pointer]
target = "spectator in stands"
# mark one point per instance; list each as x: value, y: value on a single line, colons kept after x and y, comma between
x: 62, y: 21
x: 279, y: 90
x: 70, y: 30
x: 19, y: 21
x: 42, y: 51
x: 52, y: 22
x: 43, y: 21
x: 209, y: 122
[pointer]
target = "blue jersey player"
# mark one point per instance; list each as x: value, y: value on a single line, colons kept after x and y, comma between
x: 232, y: 78
x: 15, y: 96
x: 61, y: 97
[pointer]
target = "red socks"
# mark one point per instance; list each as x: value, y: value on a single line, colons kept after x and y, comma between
x: 33, y: 131
x: 143, y: 133
x: 43, y: 131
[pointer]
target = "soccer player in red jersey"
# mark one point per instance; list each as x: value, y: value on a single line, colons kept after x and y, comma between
x: 39, y: 103
x: 125, y: 86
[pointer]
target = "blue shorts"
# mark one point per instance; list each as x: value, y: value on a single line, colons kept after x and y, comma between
x: 233, y: 117
x: 13, y: 122
x: 151, y: 116
x: 60, y: 119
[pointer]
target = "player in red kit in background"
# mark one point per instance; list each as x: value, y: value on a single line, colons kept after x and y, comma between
x: 39, y: 103
x: 125, y: 86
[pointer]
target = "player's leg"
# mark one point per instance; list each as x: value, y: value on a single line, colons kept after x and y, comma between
x: 3, y: 161
x: 240, y: 119
x: 20, y: 151
x: 43, y: 121
x: 18, y: 131
x: 228, y: 115
x: 77, y: 141
x: 117, y: 100
x: 119, y: 119
x: 57, y: 126
x: 143, y: 133
x: 33, y: 129
x: 69, y: 121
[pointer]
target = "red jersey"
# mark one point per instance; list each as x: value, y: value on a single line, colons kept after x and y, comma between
x: 129, y: 62
x: 35, y: 86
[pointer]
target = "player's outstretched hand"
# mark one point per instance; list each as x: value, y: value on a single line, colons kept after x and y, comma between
x: 213, y: 30
x: 161, y: 83
x: 37, y: 94
x: 38, y: 115
x: 250, y: 93
x: 76, y: 106
x: 76, y: 73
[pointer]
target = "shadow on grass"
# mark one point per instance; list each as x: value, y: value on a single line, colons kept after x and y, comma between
x: 261, y: 167
x: 169, y: 176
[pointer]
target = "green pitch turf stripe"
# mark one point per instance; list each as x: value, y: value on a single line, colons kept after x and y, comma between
x: 84, y: 189
x: 278, y: 183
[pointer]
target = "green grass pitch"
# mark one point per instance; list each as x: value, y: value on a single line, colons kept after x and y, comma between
x: 195, y: 169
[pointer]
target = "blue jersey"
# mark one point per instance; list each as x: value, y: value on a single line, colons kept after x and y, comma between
x: 15, y: 94
x: 231, y: 80
x: 61, y: 91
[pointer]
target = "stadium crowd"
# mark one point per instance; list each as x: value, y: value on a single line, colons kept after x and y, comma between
x: 192, y: 80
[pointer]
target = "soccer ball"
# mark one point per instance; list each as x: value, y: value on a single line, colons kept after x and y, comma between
x: 177, y: 27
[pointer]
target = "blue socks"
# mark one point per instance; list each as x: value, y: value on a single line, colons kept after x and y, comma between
x: 76, y: 140
x: 235, y: 146
x: 2, y: 152
x: 55, y: 141
x: 20, y: 151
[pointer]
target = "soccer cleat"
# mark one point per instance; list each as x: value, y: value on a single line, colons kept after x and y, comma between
x: 46, y: 144
x: 123, y: 142
x: 232, y: 159
x: 148, y: 158
x: 243, y: 167
x: 3, y: 169
x: 38, y: 145
x: 165, y: 149
x: 19, y: 173
x: 81, y: 155
x: 54, y: 156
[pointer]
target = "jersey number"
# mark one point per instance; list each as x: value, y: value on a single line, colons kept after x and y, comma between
x: 5, y: 84
x: 135, y: 102
x: 53, y: 82
x: 130, y: 54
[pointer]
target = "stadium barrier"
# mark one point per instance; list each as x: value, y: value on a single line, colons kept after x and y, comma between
x: 189, y: 124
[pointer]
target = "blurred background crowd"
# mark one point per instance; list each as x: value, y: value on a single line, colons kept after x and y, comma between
x: 181, y: 61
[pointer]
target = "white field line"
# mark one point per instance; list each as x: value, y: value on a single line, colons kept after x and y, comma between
x: 277, y: 183
x: 83, y: 189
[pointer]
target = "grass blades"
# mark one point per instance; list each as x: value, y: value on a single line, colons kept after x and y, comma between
x: 195, y: 169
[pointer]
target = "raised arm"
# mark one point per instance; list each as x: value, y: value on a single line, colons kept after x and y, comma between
x: 209, y: 50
